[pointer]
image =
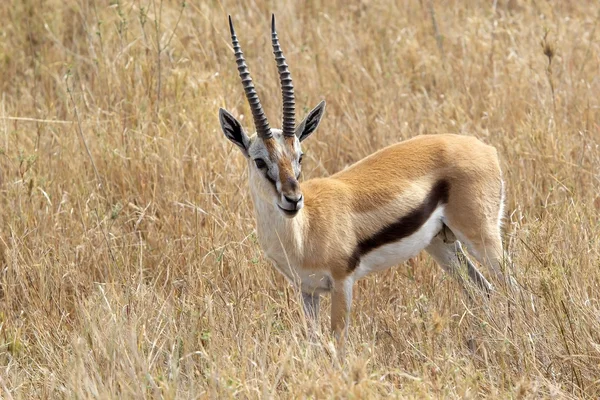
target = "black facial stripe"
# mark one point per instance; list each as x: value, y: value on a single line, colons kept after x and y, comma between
x: 403, y: 227
x: 270, y: 179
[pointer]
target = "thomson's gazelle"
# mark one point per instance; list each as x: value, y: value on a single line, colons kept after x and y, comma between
x: 325, y: 233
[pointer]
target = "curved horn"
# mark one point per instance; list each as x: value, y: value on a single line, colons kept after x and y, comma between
x: 287, y: 87
x: 260, y: 119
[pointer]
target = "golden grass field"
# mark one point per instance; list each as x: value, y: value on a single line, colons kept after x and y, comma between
x: 134, y: 271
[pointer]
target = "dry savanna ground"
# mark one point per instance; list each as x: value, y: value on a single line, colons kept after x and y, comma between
x: 129, y: 265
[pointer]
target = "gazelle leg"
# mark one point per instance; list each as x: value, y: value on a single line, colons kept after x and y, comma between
x: 341, y: 302
x: 448, y: 253
x: 487, y: 249
x: 472, y: 271
x: 477, y: 224
x: 311, y: 303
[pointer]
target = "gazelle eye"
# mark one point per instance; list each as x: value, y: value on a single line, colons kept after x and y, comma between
x: 300, y: 159
x: 260, y: 163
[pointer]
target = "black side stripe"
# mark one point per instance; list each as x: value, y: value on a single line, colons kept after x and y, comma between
x: 403, y: 227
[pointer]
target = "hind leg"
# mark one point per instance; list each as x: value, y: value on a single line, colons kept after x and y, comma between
x: 490, y: 253
x: 448, y: 253
x: 484, y: 241
x: 485, y: 244
x: 476, y: 221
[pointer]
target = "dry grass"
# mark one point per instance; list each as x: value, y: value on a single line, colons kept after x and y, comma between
x: 145, y: 279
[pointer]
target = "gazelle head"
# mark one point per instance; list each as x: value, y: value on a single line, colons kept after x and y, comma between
x: 274, y: 155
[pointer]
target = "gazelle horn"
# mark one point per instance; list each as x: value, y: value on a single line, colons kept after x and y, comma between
x: 287, y: 87
x: 260, y: 119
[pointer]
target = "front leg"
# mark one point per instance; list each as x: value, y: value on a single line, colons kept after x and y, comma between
x: 341, y: 302
x: 311, y: 303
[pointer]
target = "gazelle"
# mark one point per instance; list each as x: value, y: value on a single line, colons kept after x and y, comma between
x: 427, y: 193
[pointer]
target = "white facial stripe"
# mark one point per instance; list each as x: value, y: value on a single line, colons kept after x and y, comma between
x: 278, y: 185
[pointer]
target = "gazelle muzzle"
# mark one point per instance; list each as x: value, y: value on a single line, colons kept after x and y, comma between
x: 291, y: 199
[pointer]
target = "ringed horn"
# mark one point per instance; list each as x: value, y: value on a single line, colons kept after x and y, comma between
x: 287, y: 87
x: 260, y: 119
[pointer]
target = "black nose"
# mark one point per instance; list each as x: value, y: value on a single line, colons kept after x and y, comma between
x: 293, y: 201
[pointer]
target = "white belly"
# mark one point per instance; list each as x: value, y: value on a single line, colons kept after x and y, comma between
x: 397, y: 252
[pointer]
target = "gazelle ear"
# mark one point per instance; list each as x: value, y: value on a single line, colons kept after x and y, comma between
x: 311, y: 122
x: 233, y: 130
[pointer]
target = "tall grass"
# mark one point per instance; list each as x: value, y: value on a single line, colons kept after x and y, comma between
x: 133, y: 270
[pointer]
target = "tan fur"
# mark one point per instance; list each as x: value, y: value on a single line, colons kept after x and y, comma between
x: 289, y: 183
x: 361, y: 197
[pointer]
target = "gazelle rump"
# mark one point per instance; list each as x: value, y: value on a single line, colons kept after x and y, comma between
x: 430, y: 193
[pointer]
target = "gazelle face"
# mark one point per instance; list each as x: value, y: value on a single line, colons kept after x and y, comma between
x: 274, y: 155
x: 276, y: 160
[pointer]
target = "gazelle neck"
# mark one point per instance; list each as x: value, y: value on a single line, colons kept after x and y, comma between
x: 281, y: 238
